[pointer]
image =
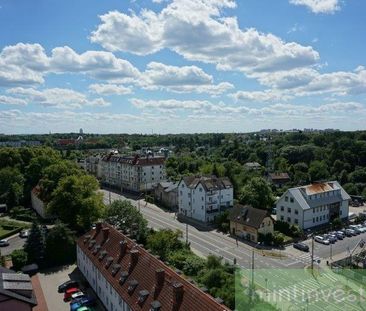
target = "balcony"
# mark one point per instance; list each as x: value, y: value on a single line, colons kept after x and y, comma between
x: 212, y: 211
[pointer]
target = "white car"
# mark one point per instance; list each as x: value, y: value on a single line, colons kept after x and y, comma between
x: 322, y: 240
x: 77, y: 295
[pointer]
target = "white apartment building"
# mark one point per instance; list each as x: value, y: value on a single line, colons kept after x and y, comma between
x: 203, y: 198
x: 136, y: 173
x: 313, y: 205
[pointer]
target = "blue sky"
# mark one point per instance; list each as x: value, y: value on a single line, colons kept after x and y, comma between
x: 172, y: 66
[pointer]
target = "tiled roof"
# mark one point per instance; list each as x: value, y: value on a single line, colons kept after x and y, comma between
x: 208, y: 182
x: 279, y: 176
x: 140, y: 278
x: 136, y: 160
x: 247, y: 215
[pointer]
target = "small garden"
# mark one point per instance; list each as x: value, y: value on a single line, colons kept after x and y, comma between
x: 10, y: 227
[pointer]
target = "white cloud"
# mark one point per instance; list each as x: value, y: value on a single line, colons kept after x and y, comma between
x: 319, y: 6
x: 109, y: 89
x: 197, y: 30
x: 56, y: 97
x: 260, y: 96
x: 183, y: 79
x: 7, y: 100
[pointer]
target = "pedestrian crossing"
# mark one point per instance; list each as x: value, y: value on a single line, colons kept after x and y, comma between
x: 305, y: 258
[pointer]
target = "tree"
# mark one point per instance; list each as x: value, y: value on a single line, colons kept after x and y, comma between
x: 11, y: 186
x: 318, y: 170
x: 125, y: 217
x: 164, y: 242
x: 257, y: 193
x: 60, y: 245
x: 34, y: 246
x: 76, y: 202
x: 19, y: 258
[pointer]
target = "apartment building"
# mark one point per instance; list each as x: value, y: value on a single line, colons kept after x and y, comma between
x: 313, y: 205
x: 203, y: 198
x: 127, y: 277
x: 138, y: 174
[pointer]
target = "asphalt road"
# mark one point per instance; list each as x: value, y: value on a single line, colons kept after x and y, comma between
x: 209, y: 242
x: 15, y: 242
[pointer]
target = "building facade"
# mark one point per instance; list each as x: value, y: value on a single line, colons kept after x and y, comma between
x: 138, y: 174
x: 248, y: 223
x: 313, y: 205
x: 166, y: 193
x: 204, y: 198
x: 127, y: 277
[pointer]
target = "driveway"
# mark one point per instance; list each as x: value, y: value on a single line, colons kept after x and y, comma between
x: 50, y: 280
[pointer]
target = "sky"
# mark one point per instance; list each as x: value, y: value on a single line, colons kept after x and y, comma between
x: 181, y: 66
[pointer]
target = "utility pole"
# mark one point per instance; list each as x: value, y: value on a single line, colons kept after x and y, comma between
x: 186, y: 233
x: 312, y: 254
x: 331, y: 251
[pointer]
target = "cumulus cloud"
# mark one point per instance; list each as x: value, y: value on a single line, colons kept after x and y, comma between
x: 56, y: 97
x: 197, y: 30
x: 260, y: 96
x: 7, y: 100
x: 319, y: 6
x: 109, y: 89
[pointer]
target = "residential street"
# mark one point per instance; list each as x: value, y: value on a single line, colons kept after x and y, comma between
x: 15, y: 242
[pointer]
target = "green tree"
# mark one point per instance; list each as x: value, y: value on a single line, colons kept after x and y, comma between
x: 76, y: 201
x: 164, y: 242
x: 125, y: 217
x: 318, y: 170
x: 60, y: 245
x: 19, y: 258
x: 34, y: 246
x: 11, y: 186
x: 257, y: 193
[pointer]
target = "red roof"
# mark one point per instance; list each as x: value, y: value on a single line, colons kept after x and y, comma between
x: 136, y: 160
x: 65, y: 142
x: 123, y: 258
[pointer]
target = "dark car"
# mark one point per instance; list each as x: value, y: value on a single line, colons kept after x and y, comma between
x: 301, y: 246
x: 65, y: 286
x: 80, y: 302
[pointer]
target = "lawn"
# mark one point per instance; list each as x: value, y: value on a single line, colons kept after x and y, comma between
x: 9, y: 227
x: 299, y: 289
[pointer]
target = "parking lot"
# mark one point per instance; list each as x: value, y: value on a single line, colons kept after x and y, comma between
x: 338, y: 249
x: 51, y: 279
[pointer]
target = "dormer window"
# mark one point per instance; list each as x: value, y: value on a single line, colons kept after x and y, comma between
x: 91, y: 244
x: 96, y: 249
x: 108, y: 262
x: 115, y: 269
x: 102, y: 255
x: 155, y: 306
x: 123, y: 277
x: 143, y: 294
x: 132, y: 286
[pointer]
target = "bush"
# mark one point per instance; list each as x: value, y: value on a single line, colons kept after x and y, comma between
x: 19, y: 258
x: 193, y: 265
x: 278, y: 238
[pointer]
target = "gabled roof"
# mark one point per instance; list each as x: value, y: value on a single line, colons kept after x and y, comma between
x: 140, y: 278
x: 136, y: 160
x: 168, y: 185
x: 248, y: 215
x: 208, y: 182
x: 16, y: 286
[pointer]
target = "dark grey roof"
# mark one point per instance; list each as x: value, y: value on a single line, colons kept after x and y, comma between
x: 168, y: 185
x: 19, y: 289
x: 208, y: 182
x: 247, y: 215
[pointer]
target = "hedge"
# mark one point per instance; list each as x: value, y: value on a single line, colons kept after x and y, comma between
x: 10, y: 233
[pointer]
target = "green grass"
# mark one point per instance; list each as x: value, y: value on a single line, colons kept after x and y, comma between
x: 10, y: 227
x: 299, y: 289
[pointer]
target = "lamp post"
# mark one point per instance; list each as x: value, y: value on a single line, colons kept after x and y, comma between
x: 187, y: 233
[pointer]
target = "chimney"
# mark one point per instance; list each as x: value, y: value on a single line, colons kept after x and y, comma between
x: 159, y: 277
x: 134, y: 258
x: 123, y: 248
x: 178, y: 291
x: 105, y: 234
x: 98, y: 227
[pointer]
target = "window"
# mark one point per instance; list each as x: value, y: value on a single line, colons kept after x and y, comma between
x: 296, y: 212
x: 317, y: 219
x: 202, y: 199
x: 314, y: 210
x: 292, y: 200
x: 282, y: 218
x: 286, y: 199
x: 296, y: 221
x: 288, y: 219
x: 289, y: 210
x: 313, y: 220
x: 282, y: 208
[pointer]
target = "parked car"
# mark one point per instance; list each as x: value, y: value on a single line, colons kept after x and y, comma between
x: 340, y: 235
x: 24, y: 234
x: 69, y: 284
x: 81, y: 302
x: 69, y: 292
x: 301, y: 246
x: 77, y: 295
x: 331, y: 237
x: 321, y: 240
x: 350, y: 232
x: 4, y: 243
x: 84, y: 309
